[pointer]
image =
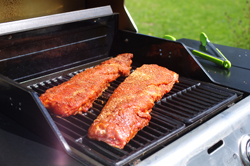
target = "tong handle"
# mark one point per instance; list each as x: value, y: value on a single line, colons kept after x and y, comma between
x: 169, y: 37
x: 205, y: 41
x: 208, y: 57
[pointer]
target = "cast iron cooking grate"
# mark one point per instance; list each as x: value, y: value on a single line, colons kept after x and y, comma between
x: 187, y: 102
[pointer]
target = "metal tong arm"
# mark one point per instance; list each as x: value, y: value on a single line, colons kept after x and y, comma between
x: 222, y: 60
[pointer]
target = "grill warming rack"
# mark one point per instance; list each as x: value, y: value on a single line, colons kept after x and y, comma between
x: 186, y: 105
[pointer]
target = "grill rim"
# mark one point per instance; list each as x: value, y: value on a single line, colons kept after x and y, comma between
x: 142, y: 152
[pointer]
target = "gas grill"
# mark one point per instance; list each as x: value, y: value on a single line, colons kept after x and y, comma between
x: 40, y: 53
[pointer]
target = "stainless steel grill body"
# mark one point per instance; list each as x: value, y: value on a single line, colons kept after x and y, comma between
x: 223, y: 133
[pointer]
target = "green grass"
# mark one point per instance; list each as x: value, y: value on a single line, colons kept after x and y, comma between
x: 187, y: 19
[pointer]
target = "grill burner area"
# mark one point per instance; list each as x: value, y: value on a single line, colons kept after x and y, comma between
x: 188, y: 104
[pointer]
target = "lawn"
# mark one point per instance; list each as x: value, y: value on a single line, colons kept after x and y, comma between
x: 225, y: 22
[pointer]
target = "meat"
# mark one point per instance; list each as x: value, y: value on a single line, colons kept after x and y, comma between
x: 128, y: 109
x: 78, y: 94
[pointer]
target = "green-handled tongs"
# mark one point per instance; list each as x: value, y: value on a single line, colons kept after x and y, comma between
x: 220, y: 60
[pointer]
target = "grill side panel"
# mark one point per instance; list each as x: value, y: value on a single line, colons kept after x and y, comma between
x: 25, y: 107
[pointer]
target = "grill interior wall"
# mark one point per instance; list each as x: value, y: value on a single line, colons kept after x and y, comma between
x: 27, y: 55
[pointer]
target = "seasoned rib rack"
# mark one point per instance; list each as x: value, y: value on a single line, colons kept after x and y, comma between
x: 78, y: 94
x: 128, y: 109
x: 172, y: 116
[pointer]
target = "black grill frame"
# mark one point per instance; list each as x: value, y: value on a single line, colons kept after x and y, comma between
x: 169, y: 111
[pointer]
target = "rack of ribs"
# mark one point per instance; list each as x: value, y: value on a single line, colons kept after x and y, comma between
x: 128, y: 109
x: 78, y: 94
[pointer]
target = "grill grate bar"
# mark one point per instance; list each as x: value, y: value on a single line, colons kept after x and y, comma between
x: 175, y: 102
x: 141, y: 139
x: 181, y: 99
x: 129, y: 148
x: 197, y: 98
x: 70, y: 125
x: 97, y: 146
x: 175, y: 105
x: 193, y: 100
x: 84, y: 117
x: 167, y: 119
x: 36, y: 89
x: 48, y: 84
x: 95, y: 111
x: 146, y: 134
x: 161, y: 123
x: 216, y: 92
x: 152, y: 131
x: 62, y: 79
x: 91, y: 115
x: 80, y: 123
x: 168, y: 111
x: 206, y: 95
x: 72, y: 134
x: 158, y: 128
x: 135, y: 144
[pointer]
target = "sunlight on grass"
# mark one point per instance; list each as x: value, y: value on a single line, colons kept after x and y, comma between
x: 187, y: 19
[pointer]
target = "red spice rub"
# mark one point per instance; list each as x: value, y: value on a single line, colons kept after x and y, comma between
x: 78, y: 94
x: 127, y: 110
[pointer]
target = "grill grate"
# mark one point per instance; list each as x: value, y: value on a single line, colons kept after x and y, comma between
x: 186, y: 103
x: 193, y: 100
